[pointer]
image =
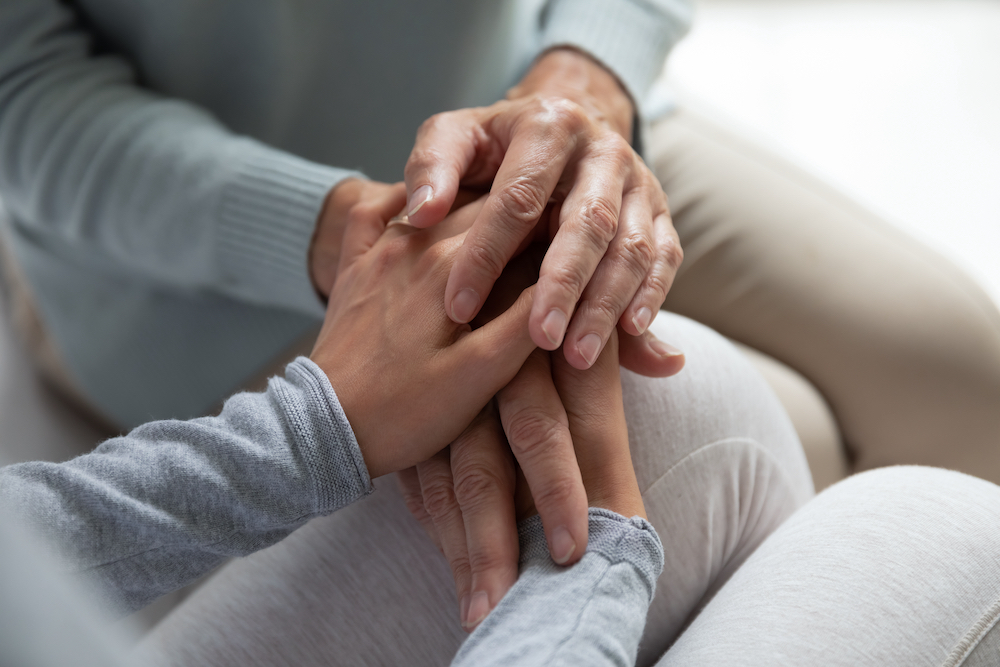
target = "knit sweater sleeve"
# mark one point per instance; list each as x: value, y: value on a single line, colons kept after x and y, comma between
x: 630, y: 37
x: 592, y: 613
x: 147, y: 512
x: 92, y: 161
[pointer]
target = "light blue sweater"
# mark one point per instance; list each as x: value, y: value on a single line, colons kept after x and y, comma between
x: 164, y: 163
x: 148, y: 512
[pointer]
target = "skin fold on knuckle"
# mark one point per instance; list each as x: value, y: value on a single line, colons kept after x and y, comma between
x: 598, y: 219
x: 478, y: 487
x: 564, y: 282
x: 637, y: 252
x: 533, y: 434
x: 520, y: 203
x: 439, y: 499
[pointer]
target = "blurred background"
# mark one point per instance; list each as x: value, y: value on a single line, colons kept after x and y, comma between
x: 896, y: 102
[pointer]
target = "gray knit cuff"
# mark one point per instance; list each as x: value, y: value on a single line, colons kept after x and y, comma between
x: 268, y: 216
x: 619, y: 540
x: 629, y: 37
x: 325, y: 439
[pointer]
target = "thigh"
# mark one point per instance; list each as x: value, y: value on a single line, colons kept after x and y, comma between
x: 893, y: 567
x: 719, y: 466
x: 361, y: 587
x: 904, y: 347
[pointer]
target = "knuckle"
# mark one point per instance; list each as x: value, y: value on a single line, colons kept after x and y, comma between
x: 487, y: 259
x: 461, y: 569
x: 673, y: 254
x: 439, y: 500
x: 561, y: 112
x: 637, y: 250
x: 555, y: 493
x: 521, y: 202
x: 606, y: 307
x: 569, y: 279
x: 476, y: 485
x: 600, y: 220
x: 531, y: 433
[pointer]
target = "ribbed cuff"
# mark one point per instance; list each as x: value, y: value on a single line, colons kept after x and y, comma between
x: 326, y: 440
x: 268, y: 216
x: 614, y: 537
x: 630, y: 37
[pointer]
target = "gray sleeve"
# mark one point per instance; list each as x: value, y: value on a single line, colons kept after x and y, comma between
x: 147, y: 512
x: 91, y: 161
x: 630, y: 37
x: 591, y: 613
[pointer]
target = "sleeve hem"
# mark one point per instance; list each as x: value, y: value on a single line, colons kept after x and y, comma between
x: 616, y: 538
x: 327, y: 441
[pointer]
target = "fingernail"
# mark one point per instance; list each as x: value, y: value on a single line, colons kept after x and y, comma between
x: 554, y: 326
x: 589, y: 347
x: 420, y: 196
x: 642, y: 319
x: 463, y: 306
x: 479, y: 608
x: 563, y: 545
x: 463, y: 609
x: 663, y: 349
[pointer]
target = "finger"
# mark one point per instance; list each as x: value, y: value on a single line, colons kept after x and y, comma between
x: 483, y: 471
x: 589, y: 222
x: 496, y: 350
x: 614, y: 283
x: 448, y: 148
x: 413, y: 497
x: 650, y: 296
x: 596, y: 417
x: 366, y: 222
x: 648, y: 355
x: 538, y: 432
x: 437, y: 488
x: 539, y: 151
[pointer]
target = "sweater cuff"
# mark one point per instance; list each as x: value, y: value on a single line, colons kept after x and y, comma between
x: 631, y: 38
x: 268, y: 215
x: 617, y: 539
x: 326, y: 440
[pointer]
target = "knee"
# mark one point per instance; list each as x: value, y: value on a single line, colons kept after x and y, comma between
x: 718, y: 397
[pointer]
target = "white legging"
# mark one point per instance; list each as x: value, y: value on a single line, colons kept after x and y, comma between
x: 893, y: 567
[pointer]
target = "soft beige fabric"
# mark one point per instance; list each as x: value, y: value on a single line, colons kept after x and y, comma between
x: 903, y: 347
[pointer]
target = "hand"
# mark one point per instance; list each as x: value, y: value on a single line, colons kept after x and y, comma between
x: 393, y: 356
x: 356, y: 202
x: 560, y: 135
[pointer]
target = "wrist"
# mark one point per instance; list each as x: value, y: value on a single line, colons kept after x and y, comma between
x: 324, y: 249
x: 571, y: 74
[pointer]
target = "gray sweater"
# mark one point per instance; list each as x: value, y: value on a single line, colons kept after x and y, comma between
x: 164, y: 163
x: 147, y: 512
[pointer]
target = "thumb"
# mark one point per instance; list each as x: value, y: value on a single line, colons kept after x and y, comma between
x: 442, y: 155
x: 497, y: 350
x: 647, y: 355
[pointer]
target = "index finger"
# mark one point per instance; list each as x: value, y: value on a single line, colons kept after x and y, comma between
x: 537, y: 154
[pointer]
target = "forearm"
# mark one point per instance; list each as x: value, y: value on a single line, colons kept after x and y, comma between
x: 92, y: 162
x: 591, y: 613
x: 149, y: 511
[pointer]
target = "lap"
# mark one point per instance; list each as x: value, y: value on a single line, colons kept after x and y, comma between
x: 902, y: 345
x: 719, y: 466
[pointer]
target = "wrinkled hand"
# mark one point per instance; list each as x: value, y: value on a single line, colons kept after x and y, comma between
x: 389, y: 349
x: 560, y: 136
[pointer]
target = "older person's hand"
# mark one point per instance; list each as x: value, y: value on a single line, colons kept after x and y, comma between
x: 562, y: 136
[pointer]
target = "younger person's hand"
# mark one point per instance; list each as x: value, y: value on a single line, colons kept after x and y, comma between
x: 409, y: 378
